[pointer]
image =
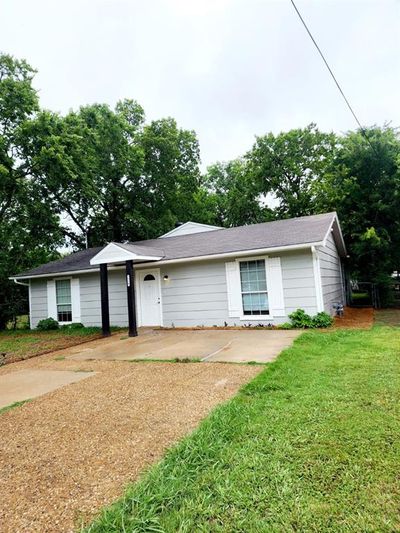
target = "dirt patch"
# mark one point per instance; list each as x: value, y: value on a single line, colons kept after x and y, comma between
x: 358, y: 318
x: 68, y: 453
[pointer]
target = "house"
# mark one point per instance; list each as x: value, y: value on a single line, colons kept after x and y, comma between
x: 197, y: 275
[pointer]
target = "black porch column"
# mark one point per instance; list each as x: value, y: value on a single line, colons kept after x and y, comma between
x: 105, y: 308
x: 130, y: 287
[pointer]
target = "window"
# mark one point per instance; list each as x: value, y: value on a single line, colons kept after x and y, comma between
x: 149, y: 277
x: 254, y: 287
x: 63, y: 299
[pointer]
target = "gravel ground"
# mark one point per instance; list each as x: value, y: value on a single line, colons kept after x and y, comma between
x: 66, y: 454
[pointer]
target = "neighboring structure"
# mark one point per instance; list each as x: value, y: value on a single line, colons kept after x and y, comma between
x: 197, y: 275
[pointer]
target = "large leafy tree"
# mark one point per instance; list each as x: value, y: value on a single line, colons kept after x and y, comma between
x: 363, y: 185
x: 111, y: 177
x: 28, y: 230
x: 305, y: 171
x: 237, y: 194
x: 289, y: 166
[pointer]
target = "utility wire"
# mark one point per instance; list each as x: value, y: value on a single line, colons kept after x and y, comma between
x: 364, y: 133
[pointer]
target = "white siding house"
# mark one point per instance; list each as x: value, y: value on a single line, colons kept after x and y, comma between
x: 179, y: 284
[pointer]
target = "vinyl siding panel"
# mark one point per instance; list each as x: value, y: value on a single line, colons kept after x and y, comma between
x: 298, y: 282
x: 38, y: 303
x: 196, y: 294
x: 331, y: 275
x: 91, y: 299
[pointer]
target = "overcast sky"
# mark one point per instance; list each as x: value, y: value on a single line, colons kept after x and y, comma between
x: 229, y: 69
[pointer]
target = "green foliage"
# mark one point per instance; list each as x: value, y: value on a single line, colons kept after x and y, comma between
x: 72, y: 327
x: 322, y: 320
x: 309, y: 445
x: 113, y: 176
x: 305, y: 171
x: 29, y: 233
x: 363, y: 184
x: 290, y: 165
x: 285, y: 325
x: 47, y: 324
x: 301, y: 320
x: 237, y: 194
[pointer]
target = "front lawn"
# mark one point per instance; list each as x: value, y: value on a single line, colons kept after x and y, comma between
x: 312, y: 444
x: 387, y: 317
x: 22, y: 344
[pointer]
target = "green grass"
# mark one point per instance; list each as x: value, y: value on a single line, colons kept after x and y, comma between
x: 387, y: 317
x: 312, y: 444
x: 12, y: 406
x: 20, y: 344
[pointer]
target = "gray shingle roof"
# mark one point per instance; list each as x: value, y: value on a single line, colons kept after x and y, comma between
x: 289, y: 232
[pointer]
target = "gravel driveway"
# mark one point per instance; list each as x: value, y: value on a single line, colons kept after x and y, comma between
x: 66, y: 454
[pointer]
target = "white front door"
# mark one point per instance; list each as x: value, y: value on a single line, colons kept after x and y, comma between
x: 150, y: 298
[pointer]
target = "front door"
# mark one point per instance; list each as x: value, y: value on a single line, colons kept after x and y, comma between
x: 150, y: 298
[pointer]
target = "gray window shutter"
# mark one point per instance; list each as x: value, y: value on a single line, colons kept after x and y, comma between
x: 75, y: 300
x: 233, y: 288
x: 51, y: 299
x: 275, y: 286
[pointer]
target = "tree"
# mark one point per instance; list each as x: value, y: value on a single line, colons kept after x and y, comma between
x: 237, y: 194
x: 289, y: 166
x: 363, y: 184
x: 111, y: 177
x: 28, y: 231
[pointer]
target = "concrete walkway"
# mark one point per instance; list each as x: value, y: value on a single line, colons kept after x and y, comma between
x: 229, y: 346
x: 28, y: 384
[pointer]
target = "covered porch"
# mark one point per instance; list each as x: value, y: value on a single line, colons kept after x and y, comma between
x: 118, y: 254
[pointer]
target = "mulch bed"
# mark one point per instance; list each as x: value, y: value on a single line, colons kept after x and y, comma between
x: 356, y: 318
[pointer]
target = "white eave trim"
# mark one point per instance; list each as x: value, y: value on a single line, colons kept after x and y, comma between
x: 330, y: 230
x: 317, y: 280
x: 242, y: 253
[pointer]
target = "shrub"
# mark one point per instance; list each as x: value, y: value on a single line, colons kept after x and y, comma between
x: 73, y: 326
x: 322, y: 320
x: 285, y: 325
x: 48, y: 324
x: 300, y: 319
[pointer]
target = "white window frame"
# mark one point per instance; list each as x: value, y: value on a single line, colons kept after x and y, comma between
x: 257, y: 318
x: 72, y: 310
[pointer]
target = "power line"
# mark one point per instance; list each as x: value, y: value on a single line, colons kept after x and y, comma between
x: 364, y: 133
